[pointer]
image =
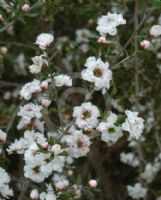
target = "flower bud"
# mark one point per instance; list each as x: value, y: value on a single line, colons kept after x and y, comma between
x: 44, y: 85
x: 92, y: 183
x: 102, y: 40
x: 34, y: 194
x: 56, y: 149
x: 145, y: 44
x: 3, y: 138
x: 25, y: 8
x: 45, y: 145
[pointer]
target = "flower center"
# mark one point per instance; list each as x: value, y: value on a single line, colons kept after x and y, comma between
x: 111, y: 130
x: 36, y: 169
x: 86, y: 114
x: 110, y: 19
x: 79, y: 144
x: 29, y: 109
x: 97, y: 72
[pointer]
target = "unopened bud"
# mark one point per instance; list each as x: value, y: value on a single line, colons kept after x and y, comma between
x: 92, y: 183
x: 45, y: 145
x: 145, y: 44
x: 25, y: 8
x: 34, y: 194
x: 56, y: 149
x: 102, y: 40
x: 44, y: 85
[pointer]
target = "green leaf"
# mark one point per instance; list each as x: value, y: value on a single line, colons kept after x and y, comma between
x: 156, y: 4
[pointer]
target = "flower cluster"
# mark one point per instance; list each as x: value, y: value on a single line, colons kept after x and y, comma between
x: 49, y: 145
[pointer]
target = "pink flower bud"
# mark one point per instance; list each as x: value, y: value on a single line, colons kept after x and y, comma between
x: 145, y: 44
x: 56, y: 149
x: 102, y: 40
x: 3, y: 138
x: 44, y: 85
x: 34, y: 194
x: 92, y: 183
x: 25, y: 8
x: 45, y: 145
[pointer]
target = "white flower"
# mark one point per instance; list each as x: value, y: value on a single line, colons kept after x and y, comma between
x: 62, y: 80
x: 86, y: 115
x: 110, y: 132
x: 97, y: 72
x: 39, y: 166
x: 145, y: 44
x: 3, y: 136
x: 28, y: 112
x: 150, y: 171
x: 137, y: 191
x: 155, y: 30
x: 38, y: 63
x: 5, y: 191
x: 30, y: 88
x: 133, y: 124
x: 44, y: 40
x: 130, y: 159
x: 102, y: 40
x: 108, y: 24
x: 78, y: 144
